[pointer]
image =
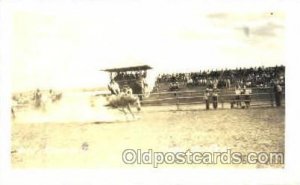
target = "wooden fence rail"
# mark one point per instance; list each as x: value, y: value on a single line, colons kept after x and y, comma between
x: 261, y: 97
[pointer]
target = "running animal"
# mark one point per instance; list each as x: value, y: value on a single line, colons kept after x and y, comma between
x: 124, y: 101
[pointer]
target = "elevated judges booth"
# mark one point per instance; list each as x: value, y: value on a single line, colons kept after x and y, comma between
x: 133, y: 77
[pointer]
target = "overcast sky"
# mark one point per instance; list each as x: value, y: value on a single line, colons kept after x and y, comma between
x: 65, y: 45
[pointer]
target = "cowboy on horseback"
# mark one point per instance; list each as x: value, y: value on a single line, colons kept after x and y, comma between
x: 124, y: 100
x: 114, y: 88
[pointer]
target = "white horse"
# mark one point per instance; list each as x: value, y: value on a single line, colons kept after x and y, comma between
x: 124, y: 101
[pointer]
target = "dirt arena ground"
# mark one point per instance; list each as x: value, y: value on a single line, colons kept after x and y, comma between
x: 88, y: 143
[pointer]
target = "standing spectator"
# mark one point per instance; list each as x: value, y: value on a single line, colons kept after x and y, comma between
x: 238, y: 96
x: 215, y: 98
x: 228, y: 83
x: 206, y: 98
x: 278, y: 94
x: 141, y: 83
x: 247, y: 97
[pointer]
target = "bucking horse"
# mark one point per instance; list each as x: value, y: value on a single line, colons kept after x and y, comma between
x: 124, y: 101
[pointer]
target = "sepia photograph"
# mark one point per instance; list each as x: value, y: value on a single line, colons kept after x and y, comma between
x: 152, y: 85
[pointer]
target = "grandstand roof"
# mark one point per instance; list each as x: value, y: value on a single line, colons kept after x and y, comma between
x: 132, y: 68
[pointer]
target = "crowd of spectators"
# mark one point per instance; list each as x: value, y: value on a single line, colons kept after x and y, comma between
x: 176, y: 77
x: 251, y: 77
x: 130, y: 75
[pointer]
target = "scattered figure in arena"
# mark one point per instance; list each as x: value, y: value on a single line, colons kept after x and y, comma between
x: 206, y: 98
x: 215, y: 98
x: 114, y: 88
x: 54, y: 96
x: 12, y: 109
x: 51, y: 95
x: 278, y: 94
x: 37, y: 98
x: 13, y: 113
